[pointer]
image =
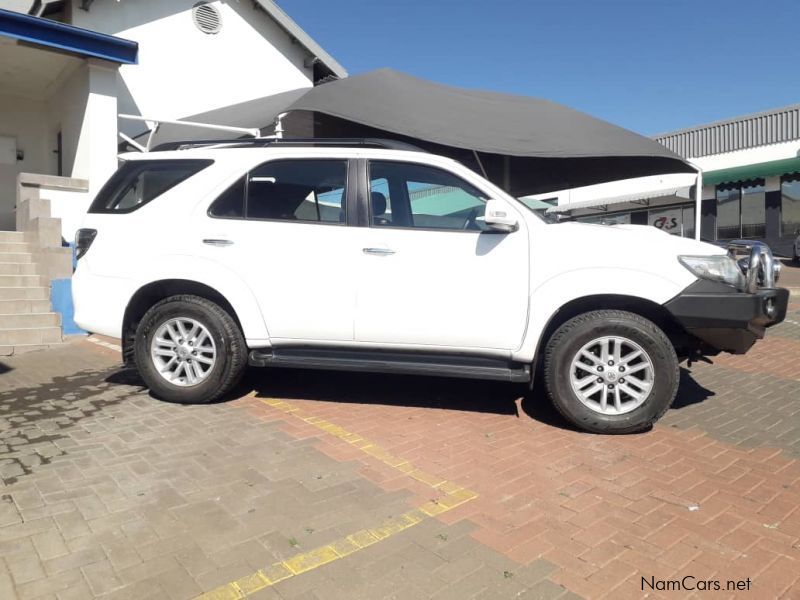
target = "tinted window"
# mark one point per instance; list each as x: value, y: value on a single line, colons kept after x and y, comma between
x: 411, y: 195
x: 728, y: 210
x: 230, y: 204
x: 298, y: 190
x: 790, y: 205
x: 754, y: 210
x: 741, y: 210
x: 138, y: 182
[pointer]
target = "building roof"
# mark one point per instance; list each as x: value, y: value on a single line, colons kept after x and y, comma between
x: 738, y: 133
x: 296, y: 32
x: 74, y: 40
x: 284, y: 21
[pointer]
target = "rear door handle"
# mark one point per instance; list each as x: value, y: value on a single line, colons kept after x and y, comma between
x: 217, y: 242
x: 378, y: 251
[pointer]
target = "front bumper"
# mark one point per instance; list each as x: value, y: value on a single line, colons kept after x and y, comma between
x: 725, y: 318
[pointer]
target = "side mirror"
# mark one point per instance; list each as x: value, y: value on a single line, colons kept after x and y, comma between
x: 499, y: 218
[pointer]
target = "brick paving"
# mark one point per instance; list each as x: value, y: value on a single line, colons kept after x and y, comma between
x: 109, y: 493
x: 790, y: 275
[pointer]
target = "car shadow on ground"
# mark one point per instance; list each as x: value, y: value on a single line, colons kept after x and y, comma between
x: 390, y: 390
x: 413, y: 391
x: 431, y: 392
x: 690, y: 392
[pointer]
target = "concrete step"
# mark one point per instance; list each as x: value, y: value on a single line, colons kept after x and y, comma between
x: 22, y: 281
x: 25, y: 348
x: 12, y: 268
x: 20, y: 307
x: 31, y: 336
x: 16, y: 257
x: 24, y: 293
x: 14, y: 247
x: 30, y: 320
x: 12, y: 237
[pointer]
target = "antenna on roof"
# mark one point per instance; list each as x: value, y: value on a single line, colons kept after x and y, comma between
x: 279, y: 125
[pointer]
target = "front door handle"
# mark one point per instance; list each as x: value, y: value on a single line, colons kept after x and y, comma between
x: 378, y: 251
x: 217, y: 242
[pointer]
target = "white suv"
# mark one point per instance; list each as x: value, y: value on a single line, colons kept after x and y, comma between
x: 372, y: 256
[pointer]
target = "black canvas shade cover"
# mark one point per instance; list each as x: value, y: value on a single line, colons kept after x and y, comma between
x: 525, y: 145
x: 473, y: 119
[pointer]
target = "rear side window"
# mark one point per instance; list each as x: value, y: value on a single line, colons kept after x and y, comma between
x: 310, y: 190
x: 230, y: 204
x: 138, y: 182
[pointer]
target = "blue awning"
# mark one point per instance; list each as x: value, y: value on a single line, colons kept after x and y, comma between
x: 75, y: 40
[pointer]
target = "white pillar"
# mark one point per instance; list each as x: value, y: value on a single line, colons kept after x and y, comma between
x: 698, y: 200
x: 96, y: 155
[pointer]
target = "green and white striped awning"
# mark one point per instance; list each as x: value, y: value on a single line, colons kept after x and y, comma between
x: 754, y: 171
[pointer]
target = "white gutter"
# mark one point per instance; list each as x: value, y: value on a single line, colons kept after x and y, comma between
x: 635, y: 190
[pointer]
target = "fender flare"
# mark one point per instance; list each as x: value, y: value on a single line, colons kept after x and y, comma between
x: 548, y: 298
x: 214, y: 275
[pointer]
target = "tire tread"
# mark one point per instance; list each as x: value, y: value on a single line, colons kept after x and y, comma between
x: 236, y: 349
x: 567, y: 328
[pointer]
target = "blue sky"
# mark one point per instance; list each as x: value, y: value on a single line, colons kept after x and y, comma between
x: 649, y: 65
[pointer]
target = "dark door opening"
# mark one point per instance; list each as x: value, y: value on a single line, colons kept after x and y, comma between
x: 59, y: 153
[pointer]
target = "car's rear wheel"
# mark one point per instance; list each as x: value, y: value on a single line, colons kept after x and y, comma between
x: 189, y: 350
x: 611, y: 371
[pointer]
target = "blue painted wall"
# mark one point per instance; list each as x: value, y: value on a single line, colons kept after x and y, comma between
x: 61, y: 301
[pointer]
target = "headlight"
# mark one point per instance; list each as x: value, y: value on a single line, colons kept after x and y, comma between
x: 716, y: 268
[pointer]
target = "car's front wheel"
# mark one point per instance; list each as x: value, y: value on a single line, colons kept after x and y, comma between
x: 189, y: 350
x: 611, y: 371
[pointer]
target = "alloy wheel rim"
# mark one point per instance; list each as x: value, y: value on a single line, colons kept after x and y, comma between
x: 183, y: 352
x: 612, y: 375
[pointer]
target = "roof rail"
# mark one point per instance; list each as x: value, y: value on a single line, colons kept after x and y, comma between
x: 290, y: 143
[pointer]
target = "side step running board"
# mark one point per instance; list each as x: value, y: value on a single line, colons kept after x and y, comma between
x: 407, y: 363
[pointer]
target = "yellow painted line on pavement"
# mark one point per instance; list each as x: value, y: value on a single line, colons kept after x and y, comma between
x: 452, y: 495
x: 366, y: 446
x: 98, y: 342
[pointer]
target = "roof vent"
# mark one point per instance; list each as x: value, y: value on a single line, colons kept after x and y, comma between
x: 207, y: 17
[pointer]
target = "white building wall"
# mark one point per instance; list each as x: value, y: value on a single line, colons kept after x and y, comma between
x: 69, y: 206
x: 183, y: 71
x: 66, y: 107
x: 83, y: 106
x: 23, y: 119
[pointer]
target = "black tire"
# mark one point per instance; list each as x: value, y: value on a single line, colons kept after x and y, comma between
x: 567, y: 341
x: 231, y: 360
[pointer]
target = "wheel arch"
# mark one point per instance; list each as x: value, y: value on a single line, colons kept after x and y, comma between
x: 640, y: 306
x: 150, y: 293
